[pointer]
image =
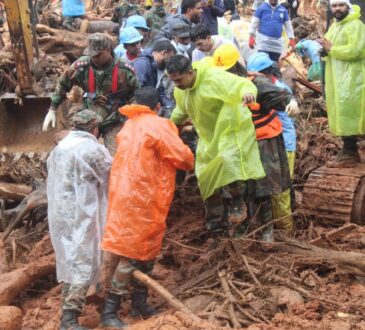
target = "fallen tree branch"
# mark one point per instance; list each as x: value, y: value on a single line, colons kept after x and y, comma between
x: 12, y: 283
x: 173, y: 301
x: 250, y: 270
x: 14, y: 191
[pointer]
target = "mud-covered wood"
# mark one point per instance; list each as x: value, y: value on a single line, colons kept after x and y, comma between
x: 336, y: 195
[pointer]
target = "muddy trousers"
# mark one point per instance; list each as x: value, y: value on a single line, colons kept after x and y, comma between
x: 74, y: 296
x: 122, y: 277
x: 261, y: 209
x: 219, y: 205
x: 281, y: 203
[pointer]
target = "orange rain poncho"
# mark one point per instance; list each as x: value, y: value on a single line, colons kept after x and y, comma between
x: 142, y: 183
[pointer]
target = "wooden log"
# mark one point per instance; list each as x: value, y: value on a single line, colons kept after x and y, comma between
x: 14, y: 191
x: 10, y: 318
x: 173, y: 301
x: 12, y: 283
x: 334, y: 234
x: 350, y: 262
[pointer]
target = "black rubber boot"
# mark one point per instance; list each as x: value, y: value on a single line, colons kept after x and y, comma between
x: 139, y: 303
x: 69, y: 320
x: 109, y: 315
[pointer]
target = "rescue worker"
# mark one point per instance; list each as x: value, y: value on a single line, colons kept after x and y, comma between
x: 212, y: 9
x: 130, y: 45
x: 71, y: 10
x: 124, y: 10
x: 108, y: 83
x: 281, y: 203
x: 142, y: 184
x: 268, y: 22
x: 140, y: 24
x: 191, y: 11
x: 156, y: 18
x: 77, y: 185
x: 344, y: 50
x: 268, y: 131
x: 227, y: 155
x: 205, y: 43
x: 181, y: 39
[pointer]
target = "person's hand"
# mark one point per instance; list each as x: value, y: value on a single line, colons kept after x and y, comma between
x: 50, y: 119
x: 248, y: 98
x: 187, y: 129
x: 251, y: 42
x: 295, y: 4
x: 326, y: 44
x: 292, y: 109
x: 292, y: 43
x: 101, y: 100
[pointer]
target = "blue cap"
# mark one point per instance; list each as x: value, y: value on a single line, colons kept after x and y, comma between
x: 137, y: 21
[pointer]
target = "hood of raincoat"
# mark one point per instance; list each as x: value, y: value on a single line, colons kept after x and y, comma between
x: 142, y: 183
x: 344, y: 76
x: 133, y: 110
x: 227, y: 148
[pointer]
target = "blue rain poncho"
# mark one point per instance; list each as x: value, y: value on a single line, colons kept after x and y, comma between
x: 345, y: 76
x: 227, y: 150
x: 73, y: 7
x: 77, y: 186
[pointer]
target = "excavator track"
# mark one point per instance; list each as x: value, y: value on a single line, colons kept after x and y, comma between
x: 336, y: 195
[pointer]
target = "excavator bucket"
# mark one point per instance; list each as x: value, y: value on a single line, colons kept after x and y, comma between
x: 21, y: 125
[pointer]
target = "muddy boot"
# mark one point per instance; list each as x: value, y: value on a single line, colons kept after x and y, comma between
x: 268, y: 234
x: 264, y: 216
x: 69, y: 320
x: 344, y: 159
x: 109, y: 314
x: 139, y: 303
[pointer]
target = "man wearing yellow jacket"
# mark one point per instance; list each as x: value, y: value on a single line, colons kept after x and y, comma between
x: 344, y: 47
x: 227, y: 155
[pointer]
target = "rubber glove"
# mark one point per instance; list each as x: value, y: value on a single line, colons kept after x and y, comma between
x: 251, y: 42
x: 50, y: 119
x: 292, y: 109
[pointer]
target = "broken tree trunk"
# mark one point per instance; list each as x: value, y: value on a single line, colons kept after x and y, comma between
x: 36, y: 199
x: 350, y: 262
x: 11, y: 284
x: 14, y: 191
x: 173, y: 301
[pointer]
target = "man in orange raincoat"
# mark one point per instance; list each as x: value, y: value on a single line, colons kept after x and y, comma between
x: 141, y: 188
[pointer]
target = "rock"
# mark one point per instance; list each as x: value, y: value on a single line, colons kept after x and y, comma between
x: 10, y: 318
x: 286, y: 297
x: 198, y: 302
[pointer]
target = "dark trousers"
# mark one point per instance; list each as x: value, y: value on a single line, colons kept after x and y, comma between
x: 273, y: 56
x: 349, y: 144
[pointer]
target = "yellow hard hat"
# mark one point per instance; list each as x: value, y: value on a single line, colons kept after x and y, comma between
x: 225, y: 56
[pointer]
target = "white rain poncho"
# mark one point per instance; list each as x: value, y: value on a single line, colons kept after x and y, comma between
x: 77, y: 184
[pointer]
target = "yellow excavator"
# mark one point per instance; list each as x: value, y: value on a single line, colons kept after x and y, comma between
x: 22, y: 112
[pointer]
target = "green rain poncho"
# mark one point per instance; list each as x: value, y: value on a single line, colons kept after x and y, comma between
x: 345, y: 76
x: 227, y: 149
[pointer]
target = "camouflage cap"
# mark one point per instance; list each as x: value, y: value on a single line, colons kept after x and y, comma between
x: 84, y: 120
x: 181, y: 30
x: 96, y: 43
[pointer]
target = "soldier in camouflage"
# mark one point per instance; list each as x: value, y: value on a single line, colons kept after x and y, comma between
x: 125, y: 9
x: 156, y: 18
x: 108, y: 84
x: 77, y: 187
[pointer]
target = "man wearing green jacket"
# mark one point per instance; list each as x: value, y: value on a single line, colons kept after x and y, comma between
x: 344, y: 50
x: 227, y: 155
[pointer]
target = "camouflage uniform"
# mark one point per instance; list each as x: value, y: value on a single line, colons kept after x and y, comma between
x: 110, y: 121
x: 124, y: 10
x: 155, y: 19
x: 74, y: 296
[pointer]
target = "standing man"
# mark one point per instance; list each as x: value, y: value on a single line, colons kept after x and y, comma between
x: 211, y: 10
x: 107, y: 81
x: 227, y: 155
x: 268, y: 22
x: 191, y: 11
x: 72, y: 9
x: 130, y: 45
x: 344, y: 47
x: 142, y: 184
x: 156, y: 17
x: 77, y: 186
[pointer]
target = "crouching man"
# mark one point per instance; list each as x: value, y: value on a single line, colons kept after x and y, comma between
x: 142, y: 185
x: 78, y: 174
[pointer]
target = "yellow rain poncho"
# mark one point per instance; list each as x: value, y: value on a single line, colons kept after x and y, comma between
x: 227, y: 149
x: 345, y: 76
